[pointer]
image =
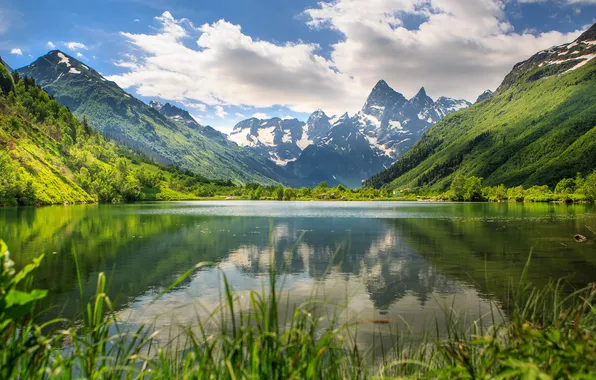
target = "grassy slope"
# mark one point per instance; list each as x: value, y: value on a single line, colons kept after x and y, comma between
x: 32, y: 152
x: 126, y: 119
x: 535, y: 132
x: 36, y: 158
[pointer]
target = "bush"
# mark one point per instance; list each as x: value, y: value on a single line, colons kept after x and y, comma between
x: 6, y: 81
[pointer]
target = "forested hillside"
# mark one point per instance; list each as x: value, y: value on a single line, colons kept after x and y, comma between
x: 127, y: 120
x: 48, y: 156
x: 538, y: 128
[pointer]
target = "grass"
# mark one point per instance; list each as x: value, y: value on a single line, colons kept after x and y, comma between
x: 532, y: 133
x: 544, y: 333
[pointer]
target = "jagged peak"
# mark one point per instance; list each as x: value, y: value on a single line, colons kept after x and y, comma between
x: 421, y: 93
x: 155, y: 104
x: 485, y: 95
x: 588, y: 35
x: 381, y: 84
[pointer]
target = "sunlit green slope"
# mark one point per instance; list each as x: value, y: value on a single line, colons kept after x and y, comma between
x: 538, y: 128
x: 120, y: 116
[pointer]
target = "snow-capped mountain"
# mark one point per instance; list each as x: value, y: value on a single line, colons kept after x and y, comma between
x: 392, y: 124
x: 281, y: 140
x: 347, y: 149
x: 379, y: 134
x: 556, y: 60
x: 181, y: 115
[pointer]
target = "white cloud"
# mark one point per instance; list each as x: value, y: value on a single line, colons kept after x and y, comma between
x: 198, y: 106
x: 461, y: 48
x: 241, y: 115
x: 16, y: 51
x: 80, y: 55
x: 261, y: 115
x: 219, y: 111
x: 74, y: 46
x: 51, y: 45
x: 230, y: 68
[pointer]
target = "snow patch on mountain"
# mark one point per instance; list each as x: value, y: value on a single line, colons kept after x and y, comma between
x: 63, y: 59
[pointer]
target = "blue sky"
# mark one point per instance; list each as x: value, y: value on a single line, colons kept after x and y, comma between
x: 227, y: 60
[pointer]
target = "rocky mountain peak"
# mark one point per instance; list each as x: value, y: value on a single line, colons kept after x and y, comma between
x: 420, y: 100
x: 155, y: 105
x: 556, y: 60
x: 343, y: 118
x: 175, y: 113
x: 588, y: 35
x: 381, y: 98
x: 485, y: 95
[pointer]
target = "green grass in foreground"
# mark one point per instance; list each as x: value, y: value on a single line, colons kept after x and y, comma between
x: 547, y: 335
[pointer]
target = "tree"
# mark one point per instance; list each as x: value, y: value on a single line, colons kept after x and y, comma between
x: 589, y: 186
x: 258, y: 193
x: 457, y: 187
x: 321, y: 187
x: 27, y: 194
x: 516, y: 194
x: 6, y: 81
x: 473, y: 189
x: 289, y: 194
x: 566, y: 186
x: 122, y: 166
x: 278, y: 193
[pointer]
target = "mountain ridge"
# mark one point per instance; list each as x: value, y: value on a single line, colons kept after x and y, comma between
x: 536, y: 129
x: 122, y: 117
x: 373, y: 138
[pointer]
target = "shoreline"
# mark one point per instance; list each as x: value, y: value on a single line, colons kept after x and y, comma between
x: 236, y: 199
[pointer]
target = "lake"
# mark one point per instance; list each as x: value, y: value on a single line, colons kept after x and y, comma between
x: 405, y: 262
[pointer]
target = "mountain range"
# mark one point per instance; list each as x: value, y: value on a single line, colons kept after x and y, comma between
x: 536, y: 129
x: 165, y: 133
x: 346, y: 149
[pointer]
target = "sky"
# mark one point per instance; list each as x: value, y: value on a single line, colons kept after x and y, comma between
x: 228, y: 60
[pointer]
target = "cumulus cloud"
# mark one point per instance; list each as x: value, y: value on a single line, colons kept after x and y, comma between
x: 261, y: 115
x: 219, y: 111
x: 227, y: 67
x: 51, y: 45
x: 74, y: 46
x: 80, y: 55
x: 198, y: 106
x: 460, y: 48
x: 16, y: 51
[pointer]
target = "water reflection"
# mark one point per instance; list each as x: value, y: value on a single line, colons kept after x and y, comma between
x: 405, y: 261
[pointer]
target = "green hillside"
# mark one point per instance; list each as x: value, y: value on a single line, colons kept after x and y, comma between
x: 121, y: 117
x: 47, y: 156
x: 538, y: 128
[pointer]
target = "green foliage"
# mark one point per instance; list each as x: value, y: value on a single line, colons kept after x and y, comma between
x: 531, y: 132
x: 108, y: 109
x: 6, y: 80
x: 566, y: 186
x: 458, y: 187
x: 588, y: 187
x: 278, y: 193
x: 473, y: 189
x: 547, y: 334
x: 47, y: 156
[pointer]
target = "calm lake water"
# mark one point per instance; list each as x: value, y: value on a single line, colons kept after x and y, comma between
x: 406, y: 262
